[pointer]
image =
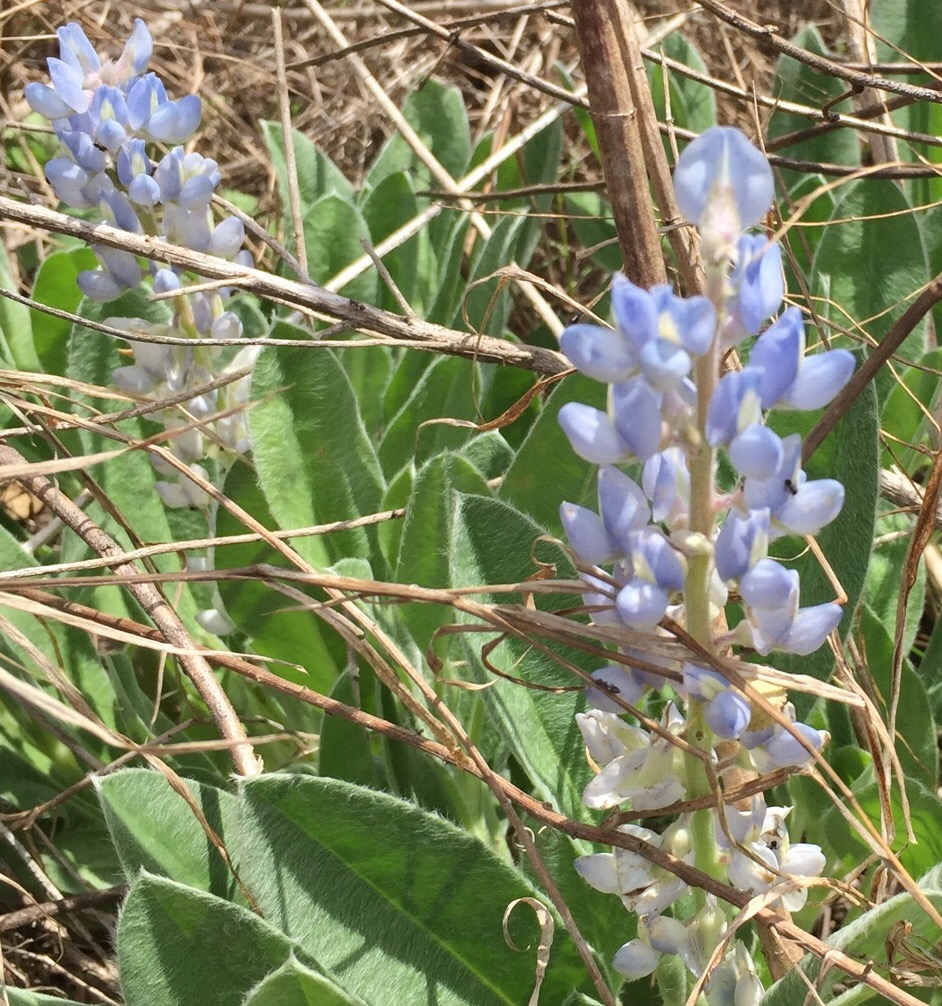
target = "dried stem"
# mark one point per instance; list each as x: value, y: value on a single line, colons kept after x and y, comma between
x: 620, y: 140
x: 153, y: 602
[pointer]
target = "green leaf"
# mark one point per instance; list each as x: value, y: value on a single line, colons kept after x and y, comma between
x: 593, y: 224
x: 492, y: 543
x: 318, y: 176
x: 929, y: 670
x: 867, y: 285
x: 925, y: 812
x: 154, y: 829
x: 20, y: 997
x: 427, y: 534
x: 451, y: 283
x: 488, y: 303
x: 443, y: 388
x: 892, y: 537
x: 295, y: 637
x: 293, y: 984
x: 56, y: 286
x: 798, y: 82
x: 908, y: 416
x: 437, y: 114
x: 314, y: 459
x: 849, y: 454
x: 17, y: 350
x: 864, y: 939
x: 545, y: 459
x: 916, y: 742
x: 405, y: 906
x: 412, y: 265
x: 489, y: 452
x: 334, y: 231
x: 344, y: 751
x: 182, y: 947
x: 693, y: 105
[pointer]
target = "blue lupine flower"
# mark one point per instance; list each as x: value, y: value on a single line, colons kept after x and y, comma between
x: 758, y: 287
x: 726, y: 711
x: 735, y: 405
x: 587, y: 535
x: 636, y: 411
x: 656, y: 570
x: 592, y: 435
x: 666, y: 483
x: 819, y: 380
x: 105, y: 113
x: 722, y: 167
x: 600, y: 353
x: 152, y: 113
x: 742, y: 542
x: 614, y: 680
x: 756, y: 452
x: 790, y: 380
x: 622, y: 506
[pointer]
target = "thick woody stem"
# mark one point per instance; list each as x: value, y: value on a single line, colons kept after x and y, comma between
x: 620, y: 141
x: 153, y: 602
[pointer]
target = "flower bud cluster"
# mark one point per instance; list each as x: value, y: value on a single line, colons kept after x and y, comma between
x: 641, y: 552
x: 115, y: 124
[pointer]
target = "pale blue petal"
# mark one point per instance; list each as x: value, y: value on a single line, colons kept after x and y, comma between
x: 821, y: 377
x: 641, y: 605
x: 634, y: 310
x: 587, y: 535
x: 664, y: 364
x: 600, y: 353
x: 592, y: 435
x: 777, y: 354
x: 741, y: 543
x: 768, y: 584
x: 637, y: 411
x: 723, y: 158
x: 813, y: 506
x: 811, y: 627
x: 756, y: 452
x: 622, y: 505
x: 43, y: 100
x: 728, y: 714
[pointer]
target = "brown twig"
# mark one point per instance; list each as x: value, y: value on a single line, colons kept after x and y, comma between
x: 156, y: 606
x: 621, y: 147
x: 865, y: 374
x: 768, y: 37
x: 360, y: 317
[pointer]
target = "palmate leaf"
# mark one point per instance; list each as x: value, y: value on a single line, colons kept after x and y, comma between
x: 178, y: 946
x: 400, y: 905
x: 366, y: 900
x: 154, y: 829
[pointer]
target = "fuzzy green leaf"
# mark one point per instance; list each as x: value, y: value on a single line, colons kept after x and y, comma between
x: 154, y: 829
x: 314, y: 459
x: 406, y: 907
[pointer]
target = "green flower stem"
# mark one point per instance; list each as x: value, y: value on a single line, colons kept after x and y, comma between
x: 697, y: 588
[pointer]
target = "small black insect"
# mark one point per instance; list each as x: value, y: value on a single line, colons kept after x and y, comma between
x: 791, y: 487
